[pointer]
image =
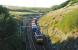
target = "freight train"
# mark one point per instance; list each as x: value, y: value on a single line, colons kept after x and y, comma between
x: 35, y: 29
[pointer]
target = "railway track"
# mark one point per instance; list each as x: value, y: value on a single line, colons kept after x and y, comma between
x: 36, y: 46
x: 29, y: 39
x: 40, y: 47
x: 24, y: 36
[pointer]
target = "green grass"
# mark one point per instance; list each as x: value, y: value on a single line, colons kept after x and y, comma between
x: 20, y: 13
x: 69, y: 21
x: 73, y: 1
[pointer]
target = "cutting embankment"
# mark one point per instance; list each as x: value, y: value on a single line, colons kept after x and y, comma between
x: 61, y: 24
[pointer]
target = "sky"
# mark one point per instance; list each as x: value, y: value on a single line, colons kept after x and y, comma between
x: 31, y: 3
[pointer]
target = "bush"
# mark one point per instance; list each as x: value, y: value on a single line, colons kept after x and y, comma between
x: 9, y: 39
x: 8, y: 25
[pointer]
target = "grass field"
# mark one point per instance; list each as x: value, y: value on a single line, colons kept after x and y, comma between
x: 20, y: 13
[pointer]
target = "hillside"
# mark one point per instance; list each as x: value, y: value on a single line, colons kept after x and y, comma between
x: 19, y: 12
x: 27, y: 9
x: 61, y: 23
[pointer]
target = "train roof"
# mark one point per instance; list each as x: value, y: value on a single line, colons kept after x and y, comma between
x: 38, y: 33
x: 35, y: 18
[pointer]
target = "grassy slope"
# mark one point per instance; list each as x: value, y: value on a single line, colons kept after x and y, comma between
x: 59, y: 28
x: 27, y: 9
x: 19, y: 11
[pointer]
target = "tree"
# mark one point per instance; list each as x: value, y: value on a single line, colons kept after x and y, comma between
x: 9, y: 39
x: 55, y: 7
x: 73, y: 1
x: 8, y: 24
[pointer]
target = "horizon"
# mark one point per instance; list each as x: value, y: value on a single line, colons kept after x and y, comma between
x: 32, y: 3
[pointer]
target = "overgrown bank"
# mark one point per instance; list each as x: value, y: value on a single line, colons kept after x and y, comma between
x: 62, y: 23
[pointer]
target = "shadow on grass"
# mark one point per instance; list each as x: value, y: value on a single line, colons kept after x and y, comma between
x: 69, y: 44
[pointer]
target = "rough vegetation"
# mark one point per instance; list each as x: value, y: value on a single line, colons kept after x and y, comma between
x: 61, y: 23
x: 55, y: 7
x: 9, y: 36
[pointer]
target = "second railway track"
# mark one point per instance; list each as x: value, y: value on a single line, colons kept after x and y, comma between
x: 32, y: 45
